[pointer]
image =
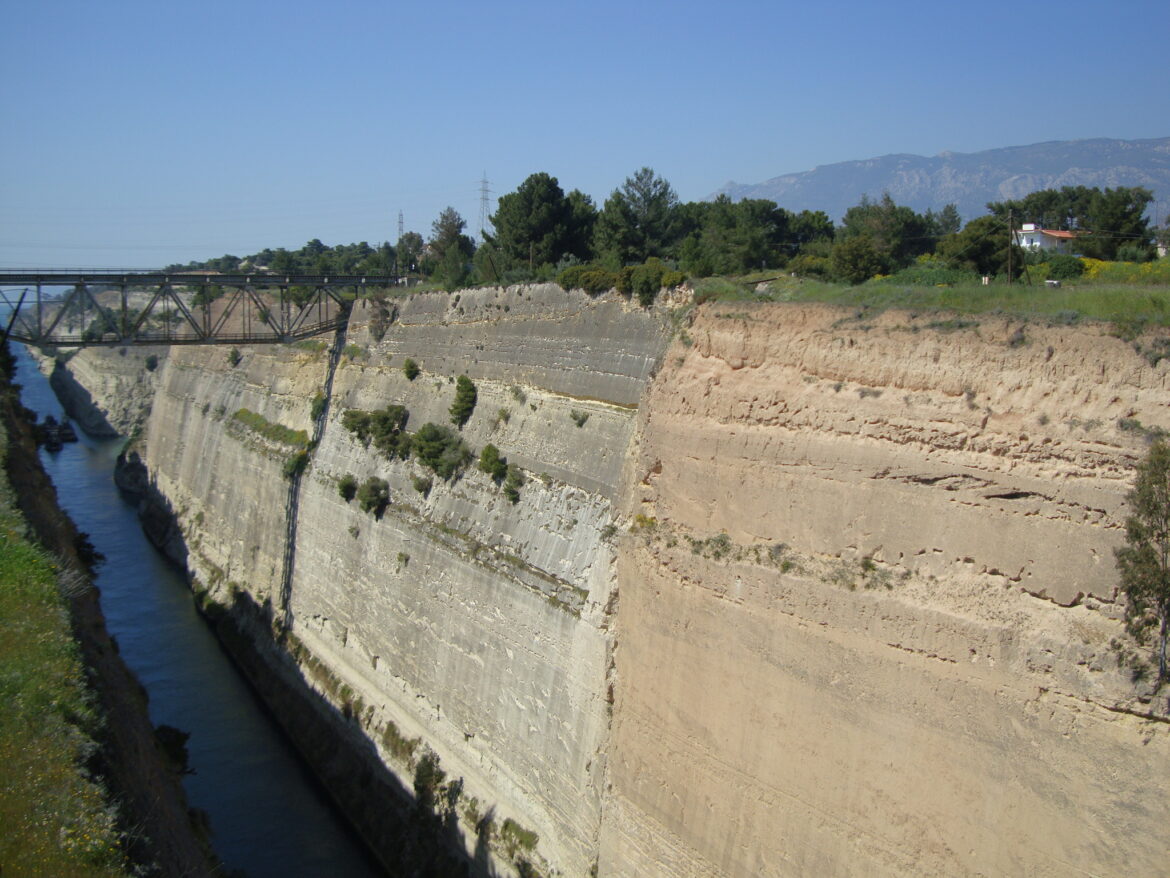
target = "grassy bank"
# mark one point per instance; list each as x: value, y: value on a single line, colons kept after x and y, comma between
x: 1135, y: 305
x: 55, y: 819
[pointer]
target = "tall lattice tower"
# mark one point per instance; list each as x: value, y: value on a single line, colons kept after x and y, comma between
x: 484, y: 192
x: 401, y: 228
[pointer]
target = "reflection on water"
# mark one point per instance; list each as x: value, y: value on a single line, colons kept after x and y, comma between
x: 268, y: 816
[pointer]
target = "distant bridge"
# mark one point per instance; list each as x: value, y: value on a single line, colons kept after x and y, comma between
x: 116, y: 308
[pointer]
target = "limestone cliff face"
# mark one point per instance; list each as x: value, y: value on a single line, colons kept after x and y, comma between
x: 457, y: 621
x: 865, y: 616
x: 805, y: 594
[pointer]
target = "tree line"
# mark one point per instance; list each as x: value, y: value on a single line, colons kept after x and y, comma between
x: 539, y: 231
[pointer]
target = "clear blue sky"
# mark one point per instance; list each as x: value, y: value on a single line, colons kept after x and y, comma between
x: 138, y: 134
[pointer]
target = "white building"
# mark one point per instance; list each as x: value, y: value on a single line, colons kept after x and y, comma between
x: 1032, y: 237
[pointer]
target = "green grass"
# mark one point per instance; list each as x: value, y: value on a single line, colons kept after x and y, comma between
x: 276, y: 432
x: 1146, y: 304
x: 312, y: 345
x: 54, y: 819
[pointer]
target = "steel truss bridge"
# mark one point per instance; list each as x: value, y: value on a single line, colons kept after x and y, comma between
x: 117, y: 308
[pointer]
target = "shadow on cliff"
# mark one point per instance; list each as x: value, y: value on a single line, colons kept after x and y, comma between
x: 155, y: 513
x: 411, y: 832
x: 79, y: 403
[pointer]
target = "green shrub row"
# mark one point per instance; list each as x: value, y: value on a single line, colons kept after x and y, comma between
x: 276, y: 432
x: 644, y: 280
x: 593, y: 279
x: 436, y: 447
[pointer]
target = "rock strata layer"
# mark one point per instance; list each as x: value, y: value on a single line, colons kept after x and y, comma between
x: 866, y: 617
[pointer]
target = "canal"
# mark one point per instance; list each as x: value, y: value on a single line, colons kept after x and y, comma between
x: 268, y: 815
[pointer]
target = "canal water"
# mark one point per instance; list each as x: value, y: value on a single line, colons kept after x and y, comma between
x: 268, y: 815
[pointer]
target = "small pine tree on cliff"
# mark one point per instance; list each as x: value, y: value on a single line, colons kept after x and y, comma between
x: 1144, y: 561
x: 464, y: 404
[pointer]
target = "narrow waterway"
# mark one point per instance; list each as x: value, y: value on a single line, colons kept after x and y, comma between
x: 267, y: 814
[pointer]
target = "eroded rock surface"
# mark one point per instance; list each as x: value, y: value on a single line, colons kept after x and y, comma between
x: 865, y: 624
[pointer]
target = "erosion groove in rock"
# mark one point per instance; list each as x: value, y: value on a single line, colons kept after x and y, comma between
x: 806, y: 594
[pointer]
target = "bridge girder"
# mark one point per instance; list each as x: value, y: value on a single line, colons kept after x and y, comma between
x: 181, y: 308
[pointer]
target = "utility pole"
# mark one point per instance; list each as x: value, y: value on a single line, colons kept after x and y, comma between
x: 1011, y: 241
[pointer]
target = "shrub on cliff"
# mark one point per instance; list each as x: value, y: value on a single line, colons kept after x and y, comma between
x: 513, y: 483
x: 374, y: 495
x: 388, y: 428
x: 1144, y: 562
x: 464, y: 404
x: 441, y: 450
x: 358, y: 423
x: 295, y: 465
x: 428, y: 779
x: 317, y: 407
x: 515, y: 837
x: 385, y: 428
x: 644, y: 281
x: 410, y: 369
x: 492, y: 463
x: 347, y: 487
x: 593, y: 279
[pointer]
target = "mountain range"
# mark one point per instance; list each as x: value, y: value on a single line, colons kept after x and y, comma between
x: 971, y: 180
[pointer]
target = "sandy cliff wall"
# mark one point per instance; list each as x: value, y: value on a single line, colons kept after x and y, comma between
x: 826, y: 595
x: 864, y: 626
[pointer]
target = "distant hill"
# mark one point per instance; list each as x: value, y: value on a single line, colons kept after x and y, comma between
x: 970, y: 180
